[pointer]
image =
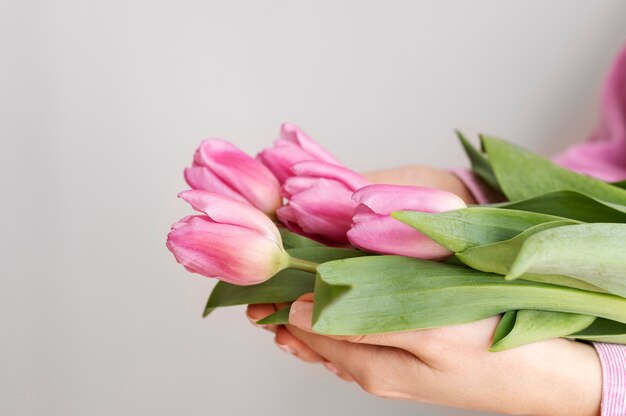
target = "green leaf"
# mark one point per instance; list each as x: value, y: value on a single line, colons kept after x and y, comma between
x: 533, y: 326
x: 571, y: 204
x: 498, y: 258
x: 474, y: 226
x: 323, y: 254
x: 285, y: 286
x: 293, y: 240
x: 593, y: 253
x: 522, y: 174
x: 603, y: 330
x: 280, y: 317
x: 506, y: 324
x: 391, y: 293
x: 480, y: 164
x: 621, y: 184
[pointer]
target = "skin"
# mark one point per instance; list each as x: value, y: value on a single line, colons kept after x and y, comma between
x: 452, y: 365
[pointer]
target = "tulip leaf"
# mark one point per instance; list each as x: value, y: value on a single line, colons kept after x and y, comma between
x: 603, y: 330
x: 380, y: 294
x: 560, y: 280
x: 532, y: 326
x: 498, y: 258
x: 571, y: 204
x: 523, y: 174
x: 593, y: 253
x: 480, y: 164
x: 474, y: 226
x: 324, y: 254
x: 293, y: 240
x: 280, y: 317
x: 285, y: 286
x: 506, y: 324
x: 620, y: 184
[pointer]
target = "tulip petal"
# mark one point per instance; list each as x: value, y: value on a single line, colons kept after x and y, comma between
x: 325, y: 209
x: 226, y: 210
x: 386, y: 235
x: 182, y: 222
x: 317, y: 169
x: 287, y: 216
x: 296, y: 184
x: 199, y: 177
x: 241, y: 172
x: 234, y: 254
x: 293, y: 134
x: 281, y: 157
x: 385, y: 199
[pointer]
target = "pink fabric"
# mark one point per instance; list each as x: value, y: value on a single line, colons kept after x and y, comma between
x: 613, y: 359
x: 481, y: 192
x: 604, y: 157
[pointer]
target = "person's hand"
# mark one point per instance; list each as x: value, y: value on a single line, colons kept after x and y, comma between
x: 419, y: 175
x: 452, y: 366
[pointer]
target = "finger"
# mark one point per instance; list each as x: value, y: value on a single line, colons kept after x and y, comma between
x: 301, y: 315
x: 378, y: 370
x: 429, y: 345
x: 260, y: 311
x: 338, y: 372
x: 292, y: 345
x: 280, y: 306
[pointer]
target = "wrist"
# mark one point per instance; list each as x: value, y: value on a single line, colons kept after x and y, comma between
x: 566, y: 381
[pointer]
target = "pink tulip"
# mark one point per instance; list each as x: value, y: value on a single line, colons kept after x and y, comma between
x: 320, y: 201
x: 221, y: 167
x: 233, y: 242
x: 293, y: 146
x: 375, y: 230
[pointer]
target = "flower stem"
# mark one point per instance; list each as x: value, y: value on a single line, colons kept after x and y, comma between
x: 304, y: 265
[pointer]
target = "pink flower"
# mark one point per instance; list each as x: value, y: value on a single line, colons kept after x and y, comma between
x: 320, y: 201
x: 233, y: 242
x: 375, y: 230
x: 293, y: 146
x: 221, y: 167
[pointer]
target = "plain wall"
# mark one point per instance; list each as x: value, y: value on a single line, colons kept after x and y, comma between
x: 103, y: 103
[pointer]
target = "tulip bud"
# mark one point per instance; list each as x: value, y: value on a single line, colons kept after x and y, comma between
x: 222, y: 168
x: 320, y: 204
x: 375, y: 230
x: 293, y: 146
x: 233, y: 242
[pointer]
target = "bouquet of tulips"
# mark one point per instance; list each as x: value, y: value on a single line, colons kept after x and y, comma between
x: 383, y: 258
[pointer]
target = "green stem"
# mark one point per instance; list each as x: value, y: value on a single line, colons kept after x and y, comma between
x: 304, y: 265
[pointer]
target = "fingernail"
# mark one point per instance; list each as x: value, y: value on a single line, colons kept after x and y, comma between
x: 301, y: 314
x: 253, y: 322
x: 288, y: 349
x: 331, y: 367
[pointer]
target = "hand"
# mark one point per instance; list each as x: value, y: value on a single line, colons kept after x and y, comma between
x: 418, y: 175
x: 452, y: 366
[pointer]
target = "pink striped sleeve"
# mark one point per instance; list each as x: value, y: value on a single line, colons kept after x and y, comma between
x: 613, y: 359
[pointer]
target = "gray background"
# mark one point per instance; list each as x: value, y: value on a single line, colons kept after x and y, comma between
x: 103, y: 103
